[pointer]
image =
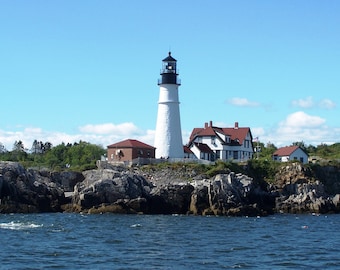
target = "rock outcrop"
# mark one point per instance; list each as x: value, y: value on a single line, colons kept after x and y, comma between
x: 298, y: 191
x: 108, y: 190
x: 229, y: 195
x: 23, y: 191
x: 295, y: 189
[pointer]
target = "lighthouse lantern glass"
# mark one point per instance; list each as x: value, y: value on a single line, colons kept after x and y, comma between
x: 169, y: 67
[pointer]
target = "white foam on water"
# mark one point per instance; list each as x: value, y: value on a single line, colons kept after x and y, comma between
x: 136, y: 225
x: 18, y: 226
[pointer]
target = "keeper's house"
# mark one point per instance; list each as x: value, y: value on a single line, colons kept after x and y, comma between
x: 128, y: 150
x: 292, y: 153
x: 217, y: 143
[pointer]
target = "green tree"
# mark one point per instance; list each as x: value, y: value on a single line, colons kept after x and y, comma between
x: 2, y: 148
x: 301, y: 145
x: 18, y: 152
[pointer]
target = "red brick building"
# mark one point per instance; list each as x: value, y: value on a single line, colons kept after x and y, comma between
x: 128, y: 150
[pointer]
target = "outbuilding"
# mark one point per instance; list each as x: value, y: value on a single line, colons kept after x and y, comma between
x: 289, y: 153
x: 128, y: 150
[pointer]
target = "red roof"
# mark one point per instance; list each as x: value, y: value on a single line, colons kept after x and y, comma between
x: 285, y: 151
x: 209, y: 131
x: 204, y: 148
x: 187, y: 150
x: 130, y: 144
x: 235, y: 133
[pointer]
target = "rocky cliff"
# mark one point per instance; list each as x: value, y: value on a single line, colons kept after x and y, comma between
x: 23, y: 191
x: 298, y: 190
x: 163, y: 191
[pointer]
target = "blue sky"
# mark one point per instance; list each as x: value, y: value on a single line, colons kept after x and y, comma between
x: 88, y: 70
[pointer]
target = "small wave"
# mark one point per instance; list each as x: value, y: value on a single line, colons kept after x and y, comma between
x: 136, y: 225
x: 18, y: 226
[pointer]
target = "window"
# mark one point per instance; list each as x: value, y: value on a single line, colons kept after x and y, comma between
x: 218, y: 154
x: 235, y: 156
x: 213, y: 140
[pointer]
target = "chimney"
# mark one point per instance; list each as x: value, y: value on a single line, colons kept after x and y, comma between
x: 205, y: 125
x: 236, y: 125
x: 210, y: 123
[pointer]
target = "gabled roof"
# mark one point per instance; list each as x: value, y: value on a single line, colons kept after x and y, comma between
x: 209, y: 131
x: 286, y: 151
x: 130, y: 144
x: 237, y: 134
x: 204, y: 148
x: 187, y: 150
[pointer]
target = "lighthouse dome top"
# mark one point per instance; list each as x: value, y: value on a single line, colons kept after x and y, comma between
x: 169, y: 58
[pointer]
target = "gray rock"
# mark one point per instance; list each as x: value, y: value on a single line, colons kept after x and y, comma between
x: 27, y: 191
x: 299, y: 192
x: 108, y: 186
x: 162, y: 191
x: 225, y: 194
x: 170, y: 199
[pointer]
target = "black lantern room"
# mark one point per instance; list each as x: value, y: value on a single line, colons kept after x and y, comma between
x: 169, y: 72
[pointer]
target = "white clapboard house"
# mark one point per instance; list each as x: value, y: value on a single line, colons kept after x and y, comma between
x: 290, y: 153
x: 221, y: 143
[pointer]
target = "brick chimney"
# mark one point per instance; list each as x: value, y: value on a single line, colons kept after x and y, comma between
x: 210, y: 123
x: 236, y: 125
x: 205, y: 125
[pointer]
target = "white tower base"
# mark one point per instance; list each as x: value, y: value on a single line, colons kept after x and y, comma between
x: 168, y: 137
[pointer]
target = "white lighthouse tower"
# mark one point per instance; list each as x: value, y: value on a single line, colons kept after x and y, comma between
x: 168, y: 137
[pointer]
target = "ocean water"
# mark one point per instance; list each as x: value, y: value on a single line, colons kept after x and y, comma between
x: 110, y: 241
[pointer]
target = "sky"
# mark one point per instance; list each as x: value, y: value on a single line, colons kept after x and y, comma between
x: 74, y: 70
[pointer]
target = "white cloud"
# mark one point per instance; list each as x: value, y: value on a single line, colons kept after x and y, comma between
x: 28, y: 135
x: 309, y: 103
x: 258, y: 132
x: 327, y: 104
x: 300, y: 126
x: 299, y: 120
x: 303, y: 103
x: 243, y: 102
x: 109, y: 128
x: 297, y: 126
x: 101, y: 134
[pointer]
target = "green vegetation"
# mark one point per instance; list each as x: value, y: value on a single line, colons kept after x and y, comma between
x: 322, y: 151
x: 224, y: 167
x: 77, y: 157
x: 262, y: 168
x: 83, y: 156
x: 330, y: 152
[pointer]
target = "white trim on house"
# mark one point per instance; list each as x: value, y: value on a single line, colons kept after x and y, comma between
x: 290, y: 153
x: 233, y: 144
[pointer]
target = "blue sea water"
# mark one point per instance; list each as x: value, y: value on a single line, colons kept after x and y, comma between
x: 109, y: 241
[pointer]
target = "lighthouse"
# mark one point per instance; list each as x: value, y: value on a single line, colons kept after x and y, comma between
x: 168, y: 137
